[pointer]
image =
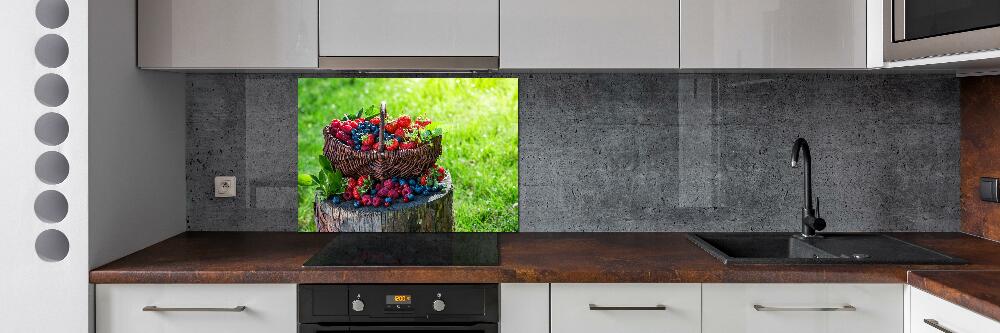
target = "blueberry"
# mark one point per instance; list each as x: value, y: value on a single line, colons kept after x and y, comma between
x: 336, y: 200
x: 413, y: 182
x: 388, y: 200
x: 357, y: 204
x: 402, y: 182
x: 409, y: 196
x: 372, y: 191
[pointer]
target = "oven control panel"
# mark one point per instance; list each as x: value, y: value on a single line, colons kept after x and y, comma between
x: 398, y: 303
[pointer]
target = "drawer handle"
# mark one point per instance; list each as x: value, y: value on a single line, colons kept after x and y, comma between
x: 759, y: 307
x: 657, y: 307
x: 154, y: 308
x: 935, y: 324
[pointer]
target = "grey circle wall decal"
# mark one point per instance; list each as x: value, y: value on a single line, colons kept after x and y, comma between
x: 51, y: 90
x: 52, y: 13
x: 51, y: 206
x: 52, y: 167
x: 52, y: 245
x: 51, y: 51
x: 51, y: 129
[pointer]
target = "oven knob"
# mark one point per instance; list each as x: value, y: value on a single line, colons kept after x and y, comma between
x: 358, y: 305
x: 438, y: 305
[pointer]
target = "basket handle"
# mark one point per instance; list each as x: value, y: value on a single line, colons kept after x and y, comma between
x: 381, y: 128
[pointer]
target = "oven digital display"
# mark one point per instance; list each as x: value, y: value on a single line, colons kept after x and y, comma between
x: 398, y: 299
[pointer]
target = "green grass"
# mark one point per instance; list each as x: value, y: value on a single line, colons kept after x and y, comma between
x: 479, y: 119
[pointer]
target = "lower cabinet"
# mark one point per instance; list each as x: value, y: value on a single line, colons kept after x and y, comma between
x: 625, y: 307
x: 930, y: 314
x: 524, y: 308
x: 195, y: 308
x: 802, y: 308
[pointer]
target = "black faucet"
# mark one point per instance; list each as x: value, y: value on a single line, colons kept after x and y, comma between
x: 811, y: 222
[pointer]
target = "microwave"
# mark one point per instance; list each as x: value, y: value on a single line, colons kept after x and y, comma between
x: 915, y: 29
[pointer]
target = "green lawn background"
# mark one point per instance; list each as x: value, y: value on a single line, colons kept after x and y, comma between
x: 479, y: 119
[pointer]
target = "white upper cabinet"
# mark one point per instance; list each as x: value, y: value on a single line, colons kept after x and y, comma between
x: 227, y: 33
x: 408, y: 28
x: 777, y: 34
x: 582, y: 34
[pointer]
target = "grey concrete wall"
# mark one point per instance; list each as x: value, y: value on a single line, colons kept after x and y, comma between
x: 641, y: 152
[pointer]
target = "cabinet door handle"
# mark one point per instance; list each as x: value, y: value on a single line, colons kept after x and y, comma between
x: 154, y: 308
x: 935, y: 324
x: 848, y: 307
x: 657, y: 307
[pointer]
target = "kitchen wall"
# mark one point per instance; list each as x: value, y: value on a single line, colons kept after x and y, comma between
x: 980, y: 133
x: 640, y: 152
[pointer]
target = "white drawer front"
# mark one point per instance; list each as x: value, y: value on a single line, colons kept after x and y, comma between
x: 571, y: 311
x: 730, y: 308
x: 947, y: 315
x: 270, y: 308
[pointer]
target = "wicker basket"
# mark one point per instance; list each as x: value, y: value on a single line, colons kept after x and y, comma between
x: 380, y: 164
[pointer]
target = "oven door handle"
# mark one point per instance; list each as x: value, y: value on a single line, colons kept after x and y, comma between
x: 485, y: 328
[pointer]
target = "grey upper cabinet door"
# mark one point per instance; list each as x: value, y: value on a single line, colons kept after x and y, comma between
x: 220, y: 34
x: 409, y: 28
x: 773, y: 34
x: 589, y: 34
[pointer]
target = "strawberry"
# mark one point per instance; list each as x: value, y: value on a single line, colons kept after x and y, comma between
x: 390, y: 127
x: 403, y: 121
x: 375, y: 121
x: 399, y: 132
x: 408, y: 145
x: 423, y: 180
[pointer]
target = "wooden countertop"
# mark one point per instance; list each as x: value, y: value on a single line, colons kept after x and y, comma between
x: 974, y: 290
x: 267, y: 257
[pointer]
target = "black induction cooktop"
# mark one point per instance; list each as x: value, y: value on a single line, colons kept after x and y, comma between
x: 408, y: 249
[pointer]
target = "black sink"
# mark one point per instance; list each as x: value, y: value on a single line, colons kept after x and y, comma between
x: 835, y: 248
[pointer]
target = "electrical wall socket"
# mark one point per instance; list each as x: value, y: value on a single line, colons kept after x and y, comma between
x: 225, y: 187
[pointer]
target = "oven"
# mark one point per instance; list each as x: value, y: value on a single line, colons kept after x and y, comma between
x: 385, y: 308
x: 916, y: 29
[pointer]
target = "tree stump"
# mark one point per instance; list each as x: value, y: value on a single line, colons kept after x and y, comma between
x: 426, y: 213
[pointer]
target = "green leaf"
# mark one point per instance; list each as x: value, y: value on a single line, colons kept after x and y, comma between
x: 325, y: 163
x: 306, y: 180
x: 370, y: 112
x: 336, y: 182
